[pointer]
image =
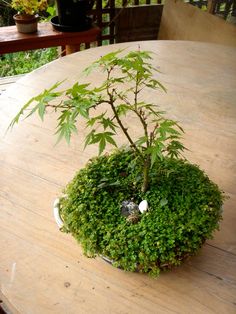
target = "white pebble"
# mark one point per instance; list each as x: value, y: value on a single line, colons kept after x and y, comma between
x: 143, y: 206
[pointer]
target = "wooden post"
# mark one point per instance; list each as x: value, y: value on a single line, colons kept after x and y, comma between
x: 72, y: 48
x: 211, y: 4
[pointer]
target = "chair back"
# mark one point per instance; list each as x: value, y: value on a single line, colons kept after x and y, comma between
x: 182, y: 21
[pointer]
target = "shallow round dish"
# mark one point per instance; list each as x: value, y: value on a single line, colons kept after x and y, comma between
x: 71, y: 28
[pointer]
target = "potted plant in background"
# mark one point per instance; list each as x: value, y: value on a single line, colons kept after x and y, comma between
x: 72, y: 15
x: 143, y: 206
x: 27, y: 17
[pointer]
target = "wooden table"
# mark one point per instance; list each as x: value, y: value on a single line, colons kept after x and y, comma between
x: 43, y: 270
x: 45, y: 37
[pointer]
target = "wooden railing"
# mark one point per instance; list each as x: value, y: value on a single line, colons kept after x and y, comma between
x: 108, y: 14
x: 124, y: 22
x: 112, y: 17
x: 12, y: 41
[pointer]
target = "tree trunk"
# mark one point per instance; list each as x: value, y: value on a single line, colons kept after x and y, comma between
x: 146, y: 169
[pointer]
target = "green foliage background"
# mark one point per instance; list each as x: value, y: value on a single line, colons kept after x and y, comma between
x: 24, y: 62
x: 184, y: 210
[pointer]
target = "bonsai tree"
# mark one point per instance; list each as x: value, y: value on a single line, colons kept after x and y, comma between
x: 121, y: 94
x: 100, y: 209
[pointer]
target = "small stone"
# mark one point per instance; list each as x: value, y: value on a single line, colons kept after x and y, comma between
x: 133, y: 217
x: 143, y: 206
x: 128, y: 207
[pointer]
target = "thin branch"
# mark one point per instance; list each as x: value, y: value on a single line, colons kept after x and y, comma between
x: 58, y: 106
x: 124, y: 129
x: 140, y: 113
x: 152, y: 134
x: 123, y: 99
x: 111, y: 102
x: 141, y: 118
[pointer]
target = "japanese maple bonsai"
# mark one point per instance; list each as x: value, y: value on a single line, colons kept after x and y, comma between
x: 184, y: 206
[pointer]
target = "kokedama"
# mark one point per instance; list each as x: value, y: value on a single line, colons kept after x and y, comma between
x: 100, y: 209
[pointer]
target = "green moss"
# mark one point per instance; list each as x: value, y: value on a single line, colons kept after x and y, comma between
x: 184, y: 210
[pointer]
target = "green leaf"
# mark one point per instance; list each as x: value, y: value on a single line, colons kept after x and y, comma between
x: 90, y: 68
x: 108, y: 123
x: 110, y: 56
x: 141, y: 141
x: 152, y: 83
x: 89, y: 138
x: 110, y: 140
x: 21, y: 112
x: 66, y: 125
x: 175, y: 148
x: 156, y: 151
x: 41, y: 110
x: 100, y: 138
x: 78, y: 89
x: 102, y: 145
x: 122, y: 109
x: 103, y: 62
x: 167, y: 127
x: 83, y: 110
x: 41, y: 99
x: 65, y: 130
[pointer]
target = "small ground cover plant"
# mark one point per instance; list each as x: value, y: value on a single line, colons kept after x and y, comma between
x: 184, y: 205
x: 184, y: 210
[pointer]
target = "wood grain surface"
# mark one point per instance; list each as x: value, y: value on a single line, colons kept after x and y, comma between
x: 43, y: 270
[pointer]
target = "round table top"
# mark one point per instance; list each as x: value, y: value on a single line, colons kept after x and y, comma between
x: 43, y: 270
